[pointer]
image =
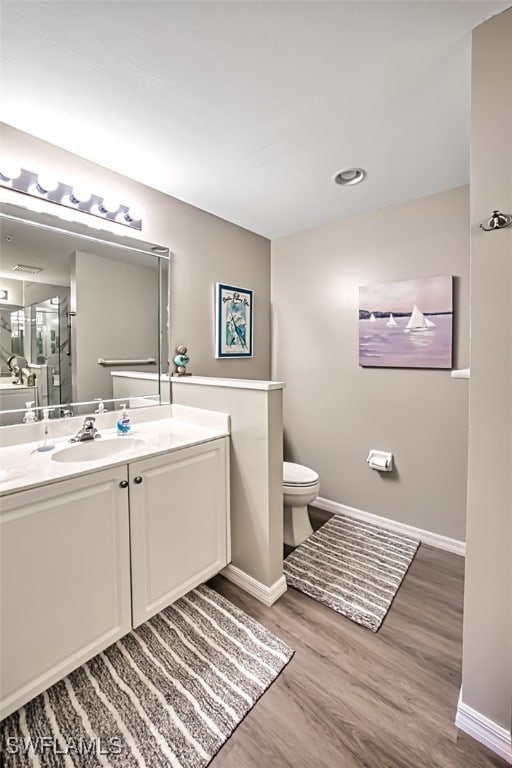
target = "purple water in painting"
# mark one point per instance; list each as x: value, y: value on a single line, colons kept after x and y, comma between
x: 383, y: 346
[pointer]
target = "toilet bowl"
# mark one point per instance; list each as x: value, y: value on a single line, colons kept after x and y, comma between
x: 300, y: 487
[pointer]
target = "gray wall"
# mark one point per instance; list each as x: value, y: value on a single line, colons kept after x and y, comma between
x: 116, y: 309
x: 487, y: 646
x: 15, y: 301
x: 335, y: 411
x: 206, y: 250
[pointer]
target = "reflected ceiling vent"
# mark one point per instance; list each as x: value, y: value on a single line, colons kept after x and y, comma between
x: 27, y: 269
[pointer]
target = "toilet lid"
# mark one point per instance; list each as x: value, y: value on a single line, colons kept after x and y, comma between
x: 296, y: 474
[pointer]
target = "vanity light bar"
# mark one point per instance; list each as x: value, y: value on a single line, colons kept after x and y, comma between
x: 78, y: 198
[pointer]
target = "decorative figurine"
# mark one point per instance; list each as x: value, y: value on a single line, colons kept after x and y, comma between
x: 181, y: 360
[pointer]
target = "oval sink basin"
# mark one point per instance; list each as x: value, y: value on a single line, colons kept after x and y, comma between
x: 101, y: 448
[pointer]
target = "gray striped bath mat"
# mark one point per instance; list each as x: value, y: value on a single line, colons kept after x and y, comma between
x: 353, y: 567
x: 170, y: 693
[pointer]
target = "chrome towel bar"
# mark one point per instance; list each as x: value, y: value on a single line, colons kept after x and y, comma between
x: 145, y: 361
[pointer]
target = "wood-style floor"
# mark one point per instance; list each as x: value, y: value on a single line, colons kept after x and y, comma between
x: 352, y: 698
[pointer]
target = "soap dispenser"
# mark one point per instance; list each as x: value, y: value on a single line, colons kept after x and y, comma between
x: 101, y: 405
x: 123, y: 422
x: 46, y: 443
x: 30, y: 415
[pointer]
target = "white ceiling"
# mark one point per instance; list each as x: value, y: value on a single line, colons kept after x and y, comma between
x: 246, y: 109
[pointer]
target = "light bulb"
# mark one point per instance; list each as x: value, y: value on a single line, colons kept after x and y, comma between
x: 10, y: 171
x: 79, y: 195
x: 108, y: 206
x: 133, y: 214
x: 46, y: 184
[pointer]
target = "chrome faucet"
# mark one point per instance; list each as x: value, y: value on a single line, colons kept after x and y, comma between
x: 87, y: 432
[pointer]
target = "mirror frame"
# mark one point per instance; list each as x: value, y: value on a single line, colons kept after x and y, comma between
x: 122, y: 241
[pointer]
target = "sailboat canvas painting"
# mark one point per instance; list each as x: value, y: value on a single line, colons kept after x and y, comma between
x: 407, y: 324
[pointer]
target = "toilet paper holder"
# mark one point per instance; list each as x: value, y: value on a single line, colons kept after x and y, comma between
x: 380, y: 460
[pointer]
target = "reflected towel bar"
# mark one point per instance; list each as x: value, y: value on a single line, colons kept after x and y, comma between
x: 145, y: 361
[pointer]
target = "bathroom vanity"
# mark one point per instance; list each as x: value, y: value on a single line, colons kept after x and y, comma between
x: 97, y: 537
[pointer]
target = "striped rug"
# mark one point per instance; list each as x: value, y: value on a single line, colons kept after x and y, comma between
x: 170, y: 693
x: 353, y: 567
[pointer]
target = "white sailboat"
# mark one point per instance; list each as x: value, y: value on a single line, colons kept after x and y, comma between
x: 418, y: 321
x: 391, y: 323
x: 372, y: 318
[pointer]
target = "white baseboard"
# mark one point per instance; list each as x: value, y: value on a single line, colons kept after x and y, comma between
x: 427, y: 537
x: 266, y: 595
x: 487, y: 732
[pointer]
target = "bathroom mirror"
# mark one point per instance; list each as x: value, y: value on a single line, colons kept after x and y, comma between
x: 78, y: 308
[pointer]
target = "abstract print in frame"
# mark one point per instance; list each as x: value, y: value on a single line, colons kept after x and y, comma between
x: 407, y: 324
x: 233, y: 323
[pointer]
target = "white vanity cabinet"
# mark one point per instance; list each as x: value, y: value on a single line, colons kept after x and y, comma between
x: 65, y: 579
x: 84, y: 559
x: 179, y: 524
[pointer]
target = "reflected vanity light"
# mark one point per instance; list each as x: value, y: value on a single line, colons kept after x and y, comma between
x: 47, y: 187
x: 4, y: 295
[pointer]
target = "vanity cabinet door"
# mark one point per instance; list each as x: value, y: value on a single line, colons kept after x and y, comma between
x: 178, y: 524
x: 65, y: 579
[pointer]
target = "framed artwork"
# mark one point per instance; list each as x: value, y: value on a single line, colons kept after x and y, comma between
x: 233, y: 321
x: 406, y: 324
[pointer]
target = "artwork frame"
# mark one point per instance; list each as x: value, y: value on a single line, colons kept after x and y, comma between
x: 233, y: 321
x: 407, y: 323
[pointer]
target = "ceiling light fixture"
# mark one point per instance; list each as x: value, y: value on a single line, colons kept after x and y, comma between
x: 78, y: 197
x: 9, y: 171
x: 132, y: 214
x: 349, y: 176
x: 46, y: 184
x: 108, y: 206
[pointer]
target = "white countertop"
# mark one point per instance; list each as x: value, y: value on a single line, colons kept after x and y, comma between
x: 145, y: 375
x: 207, y: 381
x: 10, y: 387
x: 214, y: 381
x: 23, y: 467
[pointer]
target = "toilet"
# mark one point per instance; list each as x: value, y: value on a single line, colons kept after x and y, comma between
x: 300, y: 487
